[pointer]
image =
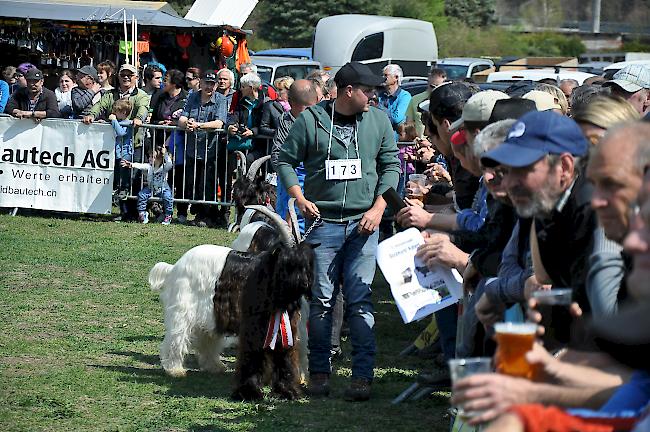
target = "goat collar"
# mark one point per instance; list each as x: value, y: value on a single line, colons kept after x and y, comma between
x: 279, y: 324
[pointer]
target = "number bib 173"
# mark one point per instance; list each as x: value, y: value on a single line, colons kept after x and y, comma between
x: 343, y: 169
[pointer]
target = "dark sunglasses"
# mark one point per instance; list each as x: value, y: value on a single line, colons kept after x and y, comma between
x: 129, y: 76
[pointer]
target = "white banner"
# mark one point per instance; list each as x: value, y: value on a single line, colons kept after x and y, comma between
x: 61, y: 165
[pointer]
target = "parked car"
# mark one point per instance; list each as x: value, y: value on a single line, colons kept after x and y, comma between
x: 269, y: 68
x: 609, y: 71
x: 459, y: 68
x: 299, y: 53
x: 512, y: 76
x: 376, y: 41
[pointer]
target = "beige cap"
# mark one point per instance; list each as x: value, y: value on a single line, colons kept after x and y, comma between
x: 478, y: 108
x: 129, y: 67
x: 543, y: 101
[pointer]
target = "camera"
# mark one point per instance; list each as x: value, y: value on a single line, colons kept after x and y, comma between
x: 241, y: 128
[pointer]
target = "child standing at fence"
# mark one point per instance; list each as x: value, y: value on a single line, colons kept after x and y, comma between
x: 157, y: 168
x: 123, y: 150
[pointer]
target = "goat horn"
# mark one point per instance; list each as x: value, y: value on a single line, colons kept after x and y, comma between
x: 294, y: 219
x: 283, y: 228
x: 242, y: 158
x: 255, y: 166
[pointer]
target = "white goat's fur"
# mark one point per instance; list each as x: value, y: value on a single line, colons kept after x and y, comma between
x: 186, y: 292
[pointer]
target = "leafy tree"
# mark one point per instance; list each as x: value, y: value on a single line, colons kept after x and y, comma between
x: 287, y: 23
x: 474, y: 13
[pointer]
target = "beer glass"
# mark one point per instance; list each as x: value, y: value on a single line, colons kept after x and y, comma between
x: 514, y: 340
x: 462, y: 368
x: 554, y: 306
x: 418, y: 181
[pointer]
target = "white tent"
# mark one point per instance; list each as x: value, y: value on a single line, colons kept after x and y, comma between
x: 221, y: 12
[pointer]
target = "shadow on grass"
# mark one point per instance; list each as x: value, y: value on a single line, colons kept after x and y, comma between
x: 153, y: 360
x: 143, y: 338
x: 195, y: 384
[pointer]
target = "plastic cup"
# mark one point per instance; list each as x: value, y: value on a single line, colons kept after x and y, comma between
x: 420, y: 179
x: 462, y: 368
x: 416, y: 192
x: 554, y: 306
x: 514, y: 341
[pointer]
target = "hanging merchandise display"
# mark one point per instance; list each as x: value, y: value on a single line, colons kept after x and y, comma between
x: 184, y: 40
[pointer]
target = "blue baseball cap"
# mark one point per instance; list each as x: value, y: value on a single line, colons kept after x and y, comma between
x: 535, y: 135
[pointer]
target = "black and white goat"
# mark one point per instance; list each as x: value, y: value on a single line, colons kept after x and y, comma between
x: 251, y: 189
x: 213, y: 291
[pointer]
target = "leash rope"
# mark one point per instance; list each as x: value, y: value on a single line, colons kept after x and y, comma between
x: 318, y: 222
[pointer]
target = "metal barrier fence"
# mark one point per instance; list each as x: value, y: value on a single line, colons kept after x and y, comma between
x: 203, y: 167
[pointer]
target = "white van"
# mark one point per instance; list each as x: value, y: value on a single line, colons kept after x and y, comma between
x: 375, y: 41
x: 537, y: 75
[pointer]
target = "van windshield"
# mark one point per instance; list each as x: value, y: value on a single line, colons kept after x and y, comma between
x: 265, y: 73
x: 454, y: 72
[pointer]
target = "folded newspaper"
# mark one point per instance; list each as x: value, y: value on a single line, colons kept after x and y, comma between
x: 417, y: 289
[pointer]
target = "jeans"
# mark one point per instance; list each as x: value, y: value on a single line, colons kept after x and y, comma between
x: 165, y: 194
x: 343, y: 254
x: 447, y: 320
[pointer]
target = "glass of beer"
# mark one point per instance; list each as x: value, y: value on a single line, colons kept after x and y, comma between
x: 514, y: 341
x: 462, y: 368
x: 417, y: 183
x: 554, y: 306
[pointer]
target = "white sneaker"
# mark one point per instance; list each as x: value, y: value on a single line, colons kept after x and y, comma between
x: 144, y: 217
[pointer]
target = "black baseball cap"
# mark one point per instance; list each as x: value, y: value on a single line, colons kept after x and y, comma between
x: 209, y: 76
x: 511, y: 109
x: 355, y: 73
x: 447, y: 100
x: 34, y: 74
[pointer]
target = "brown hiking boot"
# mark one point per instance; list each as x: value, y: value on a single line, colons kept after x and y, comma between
x: 358, y: 391
x: 319, y: 385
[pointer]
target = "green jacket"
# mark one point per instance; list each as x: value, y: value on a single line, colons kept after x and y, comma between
x: 340, y: 200
x: 412, y: 113
x: 140, y: 101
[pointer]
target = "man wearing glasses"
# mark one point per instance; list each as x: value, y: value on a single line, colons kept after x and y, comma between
x: 127, y: 88
x: 350, y: 159
x: 192, y: 79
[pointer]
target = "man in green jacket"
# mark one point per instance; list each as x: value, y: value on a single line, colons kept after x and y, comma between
x: 128, y: 88
x: 350, y: 158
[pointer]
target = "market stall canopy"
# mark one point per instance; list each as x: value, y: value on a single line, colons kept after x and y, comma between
x: 148, y: 13
x: 220, y: 12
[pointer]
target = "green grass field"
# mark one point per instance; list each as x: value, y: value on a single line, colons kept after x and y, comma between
x: 80, y: 330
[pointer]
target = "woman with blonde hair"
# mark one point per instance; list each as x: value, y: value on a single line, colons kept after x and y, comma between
x: 557, y: 94
x: 273, y: 109
x: 602, y: 113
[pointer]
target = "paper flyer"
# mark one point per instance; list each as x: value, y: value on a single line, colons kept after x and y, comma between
x: 418, y: 290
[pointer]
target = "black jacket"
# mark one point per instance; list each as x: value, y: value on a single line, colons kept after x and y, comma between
x: 157, y: 101
x: 46, y: 102
x: 271, y: 113
x: 488, y: 242
x: 239, y: 114
x: 565, y: 240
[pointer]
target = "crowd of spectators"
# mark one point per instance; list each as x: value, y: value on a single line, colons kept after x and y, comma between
x: 531, y: 189
x: 549, y: 191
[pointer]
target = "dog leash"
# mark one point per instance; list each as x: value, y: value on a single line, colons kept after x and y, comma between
x: 318, y: 222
